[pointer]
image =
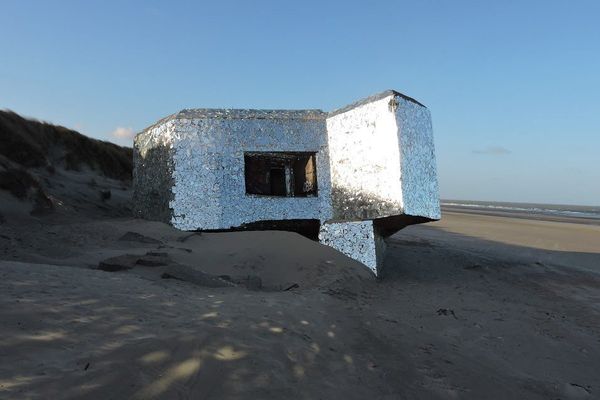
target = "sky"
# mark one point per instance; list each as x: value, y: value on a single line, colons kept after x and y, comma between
x: 513, y: 86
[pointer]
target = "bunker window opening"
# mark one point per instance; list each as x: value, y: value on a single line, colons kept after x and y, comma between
x: 280, y: 174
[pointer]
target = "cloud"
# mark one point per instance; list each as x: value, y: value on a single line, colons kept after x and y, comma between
x: 123, y: 133
x: 493, y: 151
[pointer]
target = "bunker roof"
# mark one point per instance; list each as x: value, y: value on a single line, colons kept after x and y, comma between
x: 314, y: 114
x: 372, y: 99
x: 250, y: 114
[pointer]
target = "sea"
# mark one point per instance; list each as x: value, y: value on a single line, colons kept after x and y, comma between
x: 550, y: 210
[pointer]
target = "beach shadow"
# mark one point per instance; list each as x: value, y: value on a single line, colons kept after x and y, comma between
x: 158, y: 340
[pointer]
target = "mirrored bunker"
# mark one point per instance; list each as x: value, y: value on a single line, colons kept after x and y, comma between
x: 348, y: 178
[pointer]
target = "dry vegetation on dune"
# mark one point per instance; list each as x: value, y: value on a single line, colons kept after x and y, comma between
x: 46, y: 167
x: 36, y: 144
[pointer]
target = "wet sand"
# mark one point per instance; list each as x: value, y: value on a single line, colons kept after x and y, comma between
x: 448, y: 209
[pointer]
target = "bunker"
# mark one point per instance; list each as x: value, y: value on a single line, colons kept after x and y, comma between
x: 348, y: 178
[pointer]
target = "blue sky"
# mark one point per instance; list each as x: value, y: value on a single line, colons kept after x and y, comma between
x: 513, y: 86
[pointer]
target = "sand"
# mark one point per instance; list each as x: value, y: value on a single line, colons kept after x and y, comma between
x: 470, y: 307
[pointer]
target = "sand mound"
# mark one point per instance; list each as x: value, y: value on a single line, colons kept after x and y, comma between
x: 280, y: 259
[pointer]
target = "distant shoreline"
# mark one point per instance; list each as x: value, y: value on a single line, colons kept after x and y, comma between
x: 522, y: 214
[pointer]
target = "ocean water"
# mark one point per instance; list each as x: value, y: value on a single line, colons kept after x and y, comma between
x: 558, y: 210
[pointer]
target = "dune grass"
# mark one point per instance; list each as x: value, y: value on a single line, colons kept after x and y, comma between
x: 35, y: 144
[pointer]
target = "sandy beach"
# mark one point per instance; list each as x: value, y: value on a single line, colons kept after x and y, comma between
x: 470, y: 307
